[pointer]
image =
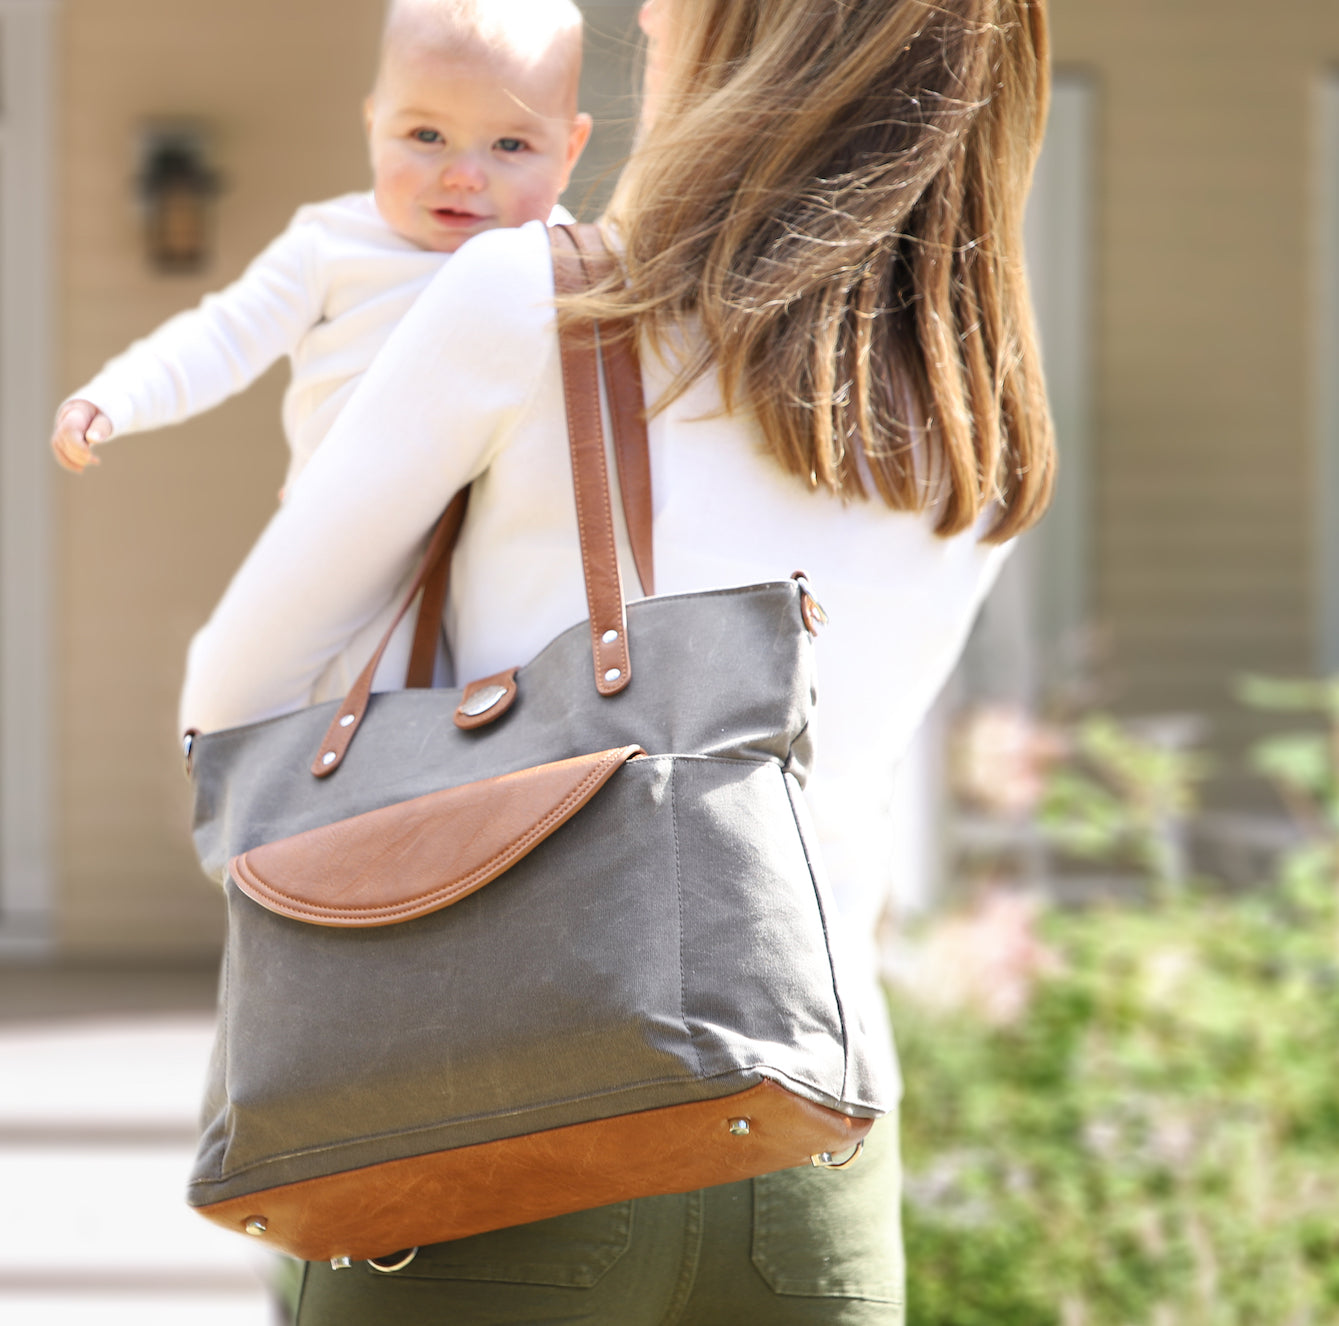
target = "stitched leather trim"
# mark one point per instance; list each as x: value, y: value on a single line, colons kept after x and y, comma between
x: 415, y: 857
x: 379, y: 1209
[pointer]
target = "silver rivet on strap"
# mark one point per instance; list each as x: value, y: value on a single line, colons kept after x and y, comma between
x: 346, y: 720
x: 256, y: 1225
x: 609, y: 637
x: 613, y: 674
x: 329, y: 758
x: 340, y: 1263
x: 739, y: 1127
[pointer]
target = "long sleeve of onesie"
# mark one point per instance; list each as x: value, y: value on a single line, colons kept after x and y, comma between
x: 440, y: 398
x: 199, y: 358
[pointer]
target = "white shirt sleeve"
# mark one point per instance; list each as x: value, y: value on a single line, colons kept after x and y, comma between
x: 199, y: 358
x: 429, y: 415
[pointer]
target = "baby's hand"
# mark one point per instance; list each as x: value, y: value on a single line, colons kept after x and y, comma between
x: 79, y: 425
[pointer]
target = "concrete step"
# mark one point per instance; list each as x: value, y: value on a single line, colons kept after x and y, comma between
x: 97, y: 1124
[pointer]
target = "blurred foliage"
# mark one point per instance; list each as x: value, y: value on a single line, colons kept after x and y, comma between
x: 1156, y: 1140
x: 1117, y: 795
x: 1304, y: 766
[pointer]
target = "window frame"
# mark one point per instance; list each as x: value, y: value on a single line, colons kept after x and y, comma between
x: 1326, y: 371
x: 27, y: 158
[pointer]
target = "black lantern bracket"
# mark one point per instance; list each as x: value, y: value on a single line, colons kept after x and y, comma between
x: 177, y: 188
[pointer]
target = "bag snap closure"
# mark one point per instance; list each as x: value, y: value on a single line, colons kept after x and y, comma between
x: 486, y: 700
x: 482, y: 700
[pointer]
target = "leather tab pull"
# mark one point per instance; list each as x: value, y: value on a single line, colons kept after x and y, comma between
x: 486, y: 700
x: 590, y: 477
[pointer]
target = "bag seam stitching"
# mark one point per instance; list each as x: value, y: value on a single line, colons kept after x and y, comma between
x: 678, y: 899
x: 827, y: 938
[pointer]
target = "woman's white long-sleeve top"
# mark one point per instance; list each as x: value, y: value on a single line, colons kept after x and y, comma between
x: 469, y: 388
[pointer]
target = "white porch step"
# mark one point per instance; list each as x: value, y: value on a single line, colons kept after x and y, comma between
x: 96, y: 1138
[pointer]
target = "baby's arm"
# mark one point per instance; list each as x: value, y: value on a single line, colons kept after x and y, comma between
x: 438, y: 400
x: 199, y: 358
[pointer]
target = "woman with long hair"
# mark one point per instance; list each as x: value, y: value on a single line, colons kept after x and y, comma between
x: 820, y: 248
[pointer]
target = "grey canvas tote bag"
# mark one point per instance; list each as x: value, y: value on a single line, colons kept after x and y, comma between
x: 544, y: 942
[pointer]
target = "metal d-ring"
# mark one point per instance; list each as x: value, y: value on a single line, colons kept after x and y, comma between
x: 387, y: 1267
x: 824, y: 1159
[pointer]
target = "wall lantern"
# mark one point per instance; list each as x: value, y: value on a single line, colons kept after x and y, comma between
x: 177, y: 189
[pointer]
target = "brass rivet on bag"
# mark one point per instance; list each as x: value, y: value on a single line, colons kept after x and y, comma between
x: 256, y: 1225
x: 739, y: 1127
x: 613, y: 674
x: 329, y: 758
x: 346, y: 720
x: 609, y: 637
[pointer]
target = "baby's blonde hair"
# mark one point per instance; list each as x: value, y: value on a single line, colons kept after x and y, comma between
x: 527, y: 32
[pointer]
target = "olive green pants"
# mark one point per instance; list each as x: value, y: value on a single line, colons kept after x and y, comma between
x: 790, y: 1249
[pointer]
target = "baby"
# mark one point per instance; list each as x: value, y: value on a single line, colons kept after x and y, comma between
x: 472, y: 125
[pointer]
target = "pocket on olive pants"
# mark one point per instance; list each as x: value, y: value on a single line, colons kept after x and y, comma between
x: 834, y: 1233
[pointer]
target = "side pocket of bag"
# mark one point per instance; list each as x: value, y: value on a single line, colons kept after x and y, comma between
x: 871, y: 1075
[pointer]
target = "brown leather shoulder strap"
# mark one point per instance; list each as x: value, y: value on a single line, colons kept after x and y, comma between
x: 578, y: 261
x: 627, y: 412
x: 590, y: 476
x: 436, y: 564
x: 428, y: 627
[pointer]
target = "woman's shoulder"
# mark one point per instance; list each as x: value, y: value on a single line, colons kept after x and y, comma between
x: 485, y: 322
x: 507, y: 273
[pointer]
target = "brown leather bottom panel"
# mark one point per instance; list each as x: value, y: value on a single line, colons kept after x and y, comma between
x: 380, y: 1209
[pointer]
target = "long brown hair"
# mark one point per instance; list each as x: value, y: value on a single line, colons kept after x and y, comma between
x: 833, y: 192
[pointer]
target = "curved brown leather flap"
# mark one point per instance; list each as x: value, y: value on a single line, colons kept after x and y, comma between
x: 417, y: 856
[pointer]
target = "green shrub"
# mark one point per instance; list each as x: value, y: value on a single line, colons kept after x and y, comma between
x: 1157, y: 1139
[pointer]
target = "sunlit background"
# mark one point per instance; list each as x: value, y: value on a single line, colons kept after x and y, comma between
x: 1112, y: 933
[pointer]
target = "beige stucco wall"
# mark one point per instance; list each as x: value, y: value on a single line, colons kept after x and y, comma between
x: 1203, y: 539
x: 147, y: 541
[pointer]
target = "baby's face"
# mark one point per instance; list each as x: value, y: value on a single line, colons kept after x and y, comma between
x: 459, y: 147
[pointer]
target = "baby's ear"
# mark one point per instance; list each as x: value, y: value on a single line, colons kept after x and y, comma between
x: 577, y: 138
